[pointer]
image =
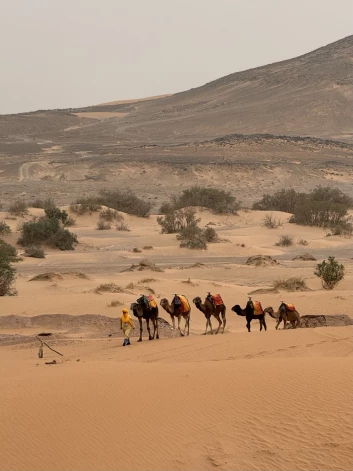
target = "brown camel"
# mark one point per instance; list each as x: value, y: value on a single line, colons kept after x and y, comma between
x: 142, y: 310
x: 249, y: 313
x: 175, y: 311
x: 209, y: 309
x: 283, y: 314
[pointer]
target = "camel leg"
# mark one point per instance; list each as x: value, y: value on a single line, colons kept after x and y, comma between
x: 173, y: 320
x: 278, y: 322
x: 181, y: 333
x: 219, y: 322
x: 188, y: 323
x: 140, y: 322
x: 155, y: 324
x: 285, y: 322
x: 207, y: 323
x: 148, y: 328
x: 224, y: 320
x: 248, y: 321
x: 264, y: 323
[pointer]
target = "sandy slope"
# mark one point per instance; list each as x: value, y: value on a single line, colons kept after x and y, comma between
x: 275, y: 400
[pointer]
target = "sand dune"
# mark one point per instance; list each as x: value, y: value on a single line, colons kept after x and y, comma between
x: 275, y: 400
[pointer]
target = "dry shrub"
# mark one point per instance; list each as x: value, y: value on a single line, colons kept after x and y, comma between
x: 85, y: 206
x: 291, y: 284
x: 303, y: 242
x: 147, y: 280
x: 4, y: 228
x: 219, y: 201
x: 115, y: 303
x: 284, y: 241
x: 35, y: 251
x: 125, y: 201
x: 103, y: 225
x: 48, y: 203
x: 18, y: 208
x: 271, y: 222
x: 109, y: 288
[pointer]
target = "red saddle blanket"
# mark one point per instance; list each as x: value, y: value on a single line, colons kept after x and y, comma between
x: 217, y: 300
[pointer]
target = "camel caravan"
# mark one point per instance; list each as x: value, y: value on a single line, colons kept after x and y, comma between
x: 179, y: 308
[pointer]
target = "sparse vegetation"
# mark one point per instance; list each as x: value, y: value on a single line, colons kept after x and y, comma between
x: 4, y: 228
x: 147, y: 280
x: 210, y: 235
x: 122, y: 227
x: 192, y: 238
x: 48, y: 203
x: 218, y: 201
x: 103, y: 225
x: 110, y: 215
x: 109, y: 288
x: 70, y: 222
x: 8, y: 255
x: 178, y: 220
x: 48, y: 230
x: 18, y: 208
x: 331, y: 272
x: 303, y: 242
x: 291, y: 284
x: 323, y: 206
x: 126, y: 202
x: 85, y: 206
x: 285, y: 241
x: 271, y: 222
x: 115, y: 303
x: 35, y: 251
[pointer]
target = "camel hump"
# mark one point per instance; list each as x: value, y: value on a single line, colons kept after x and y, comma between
x: 257, y: 308
x: 216, y: 299
x: 147, y: 301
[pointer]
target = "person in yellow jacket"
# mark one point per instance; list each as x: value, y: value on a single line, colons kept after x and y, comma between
x: 126, y: 324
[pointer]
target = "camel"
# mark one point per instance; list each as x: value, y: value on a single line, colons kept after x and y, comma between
x: 249, y: 313
x: 209, y: 309
x: 283, y: 314
x: 175, y: 311
x: 143, y: 311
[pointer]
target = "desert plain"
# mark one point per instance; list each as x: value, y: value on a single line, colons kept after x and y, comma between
x: 275, y: 400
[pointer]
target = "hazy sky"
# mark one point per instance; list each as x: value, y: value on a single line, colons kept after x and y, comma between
x: 67, y: 53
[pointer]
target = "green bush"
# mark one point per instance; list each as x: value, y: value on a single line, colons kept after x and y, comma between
x: 63, y: 240
x: 126, y: 202
x: 110, y: 215
x: 4, y: 228
x: 48, y: 203
x: 323, y: 206
x: 210, y: 235
x: 283, y: 200
x: 48, y: 230
x: 8, y: 255
x: 18, y: 208
x: 178, y: 220
x: 35, y: 251
x: 85, y: 206
x: 285, y: 241
x: 219, y: 201
x: 330, y: 272
x: 56, y: 213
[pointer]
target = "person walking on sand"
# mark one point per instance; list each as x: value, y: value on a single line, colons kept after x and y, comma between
x: 126, y: 324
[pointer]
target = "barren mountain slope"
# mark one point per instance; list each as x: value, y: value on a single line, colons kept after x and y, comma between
x: 307, y: 95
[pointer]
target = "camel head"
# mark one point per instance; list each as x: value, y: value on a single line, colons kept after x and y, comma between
x: 164, y: 303
x: 238, y: 310
x: 136, y: 309
x: 269, y: 310
x: 197, y: 301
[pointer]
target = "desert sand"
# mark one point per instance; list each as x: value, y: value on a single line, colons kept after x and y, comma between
x: 275, y: 400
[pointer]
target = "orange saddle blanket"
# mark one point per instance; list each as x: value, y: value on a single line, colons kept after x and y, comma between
x: 258, y: 308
